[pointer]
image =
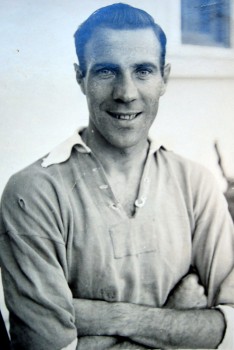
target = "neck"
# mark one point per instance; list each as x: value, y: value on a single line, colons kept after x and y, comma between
x: 115, y: 159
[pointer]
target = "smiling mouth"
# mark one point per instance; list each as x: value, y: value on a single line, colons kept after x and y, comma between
x: 124, y: 116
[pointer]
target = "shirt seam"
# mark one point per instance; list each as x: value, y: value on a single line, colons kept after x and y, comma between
x: 32, y: 235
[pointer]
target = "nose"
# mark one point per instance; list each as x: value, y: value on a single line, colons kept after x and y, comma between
x: 125, y: 89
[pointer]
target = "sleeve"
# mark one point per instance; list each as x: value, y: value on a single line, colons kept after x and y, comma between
x: 34, y: 265
x: 213, y: 250
x: 228, y: 339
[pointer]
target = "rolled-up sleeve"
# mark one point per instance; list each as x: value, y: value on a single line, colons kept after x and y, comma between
x: 34, y: 266
x: 224, y: 297
x: 228, y: 339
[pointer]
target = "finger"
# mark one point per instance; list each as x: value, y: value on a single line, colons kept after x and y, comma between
x: 201, y: 290
x: 202, y: 303
x: 204, y: 299
x: 190, y: 280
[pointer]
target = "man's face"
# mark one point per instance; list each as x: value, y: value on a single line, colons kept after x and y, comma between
x: 123, y: 84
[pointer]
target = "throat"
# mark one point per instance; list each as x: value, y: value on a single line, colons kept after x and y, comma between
x: 110, y: 156
x: 126, y: 189
x: 126, y: 196
x: 123, y: 168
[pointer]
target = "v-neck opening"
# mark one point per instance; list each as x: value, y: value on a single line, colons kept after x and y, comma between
x: 143, y: 187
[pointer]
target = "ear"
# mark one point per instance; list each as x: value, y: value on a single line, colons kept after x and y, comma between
x: 166, y: 71
x: 79, y: 77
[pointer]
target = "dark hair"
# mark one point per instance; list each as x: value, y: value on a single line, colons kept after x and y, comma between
x: 117, y: 16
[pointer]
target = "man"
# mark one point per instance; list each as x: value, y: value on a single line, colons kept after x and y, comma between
x: 95, y: 238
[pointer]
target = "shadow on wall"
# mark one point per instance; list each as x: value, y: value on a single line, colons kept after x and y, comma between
x: 229, y: 193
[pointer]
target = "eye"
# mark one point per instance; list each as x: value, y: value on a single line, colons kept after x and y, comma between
x: 144, y: 73
x: 105, y: 73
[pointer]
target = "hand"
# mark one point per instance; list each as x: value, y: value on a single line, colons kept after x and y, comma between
x: 189, y: 294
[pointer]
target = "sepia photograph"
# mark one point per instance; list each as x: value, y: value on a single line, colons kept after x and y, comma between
x: 117, y: 174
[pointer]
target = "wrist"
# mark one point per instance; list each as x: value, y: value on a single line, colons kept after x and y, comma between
x: 108, y: 319
x: 127, y: 319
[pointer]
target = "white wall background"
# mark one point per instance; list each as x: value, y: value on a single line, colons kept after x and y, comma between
x: 41, y: 104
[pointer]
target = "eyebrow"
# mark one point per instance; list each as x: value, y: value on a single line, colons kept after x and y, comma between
x: 145, y: 65
x: 116, y: 67
x: 98, y: 66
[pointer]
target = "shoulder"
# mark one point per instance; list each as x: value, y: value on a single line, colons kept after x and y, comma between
x: 38, y: 185
x: 37, y: 177
x: 35, y: 203
x: 28, y: 180
x: 196, y: 183
x: 183, y: 168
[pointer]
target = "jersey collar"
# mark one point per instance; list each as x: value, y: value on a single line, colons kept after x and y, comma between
x: 62, y: 152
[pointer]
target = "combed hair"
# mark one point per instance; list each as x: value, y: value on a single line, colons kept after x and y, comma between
x: 117, y: 16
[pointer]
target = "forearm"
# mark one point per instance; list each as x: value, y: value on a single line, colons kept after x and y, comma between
x: 152, y: 327
x: 93, y: 317
x: 107, y: 343
x: 156, y: 327
x: 94, y: 321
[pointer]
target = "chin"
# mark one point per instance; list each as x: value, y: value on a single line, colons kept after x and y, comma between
x: 124, y: 142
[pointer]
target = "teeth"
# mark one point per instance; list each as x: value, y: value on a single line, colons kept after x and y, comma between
x: 125, y: 116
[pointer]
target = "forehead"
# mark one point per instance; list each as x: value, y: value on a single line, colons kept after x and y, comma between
x: 122, y: 46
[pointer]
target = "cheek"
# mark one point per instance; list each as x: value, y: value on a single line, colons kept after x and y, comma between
x: 97, y: 94
x: 152, y: 103
x: 152, y: 94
